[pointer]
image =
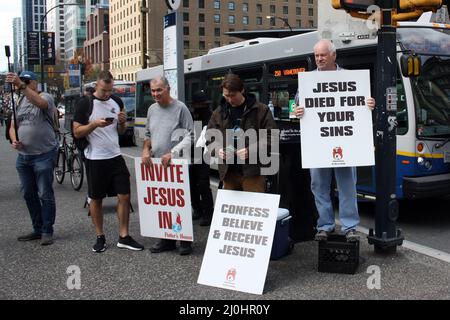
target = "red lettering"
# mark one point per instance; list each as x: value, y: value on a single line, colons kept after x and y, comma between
x: 148, y: 199
x: 179, y: 170
x: 165, y: 220
x: 180, y: 196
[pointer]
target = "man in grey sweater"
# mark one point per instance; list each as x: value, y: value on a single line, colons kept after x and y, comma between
x: 164, y: 120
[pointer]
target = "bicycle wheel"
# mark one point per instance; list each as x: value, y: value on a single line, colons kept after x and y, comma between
x: 76, y: 172
x: 60, y: 168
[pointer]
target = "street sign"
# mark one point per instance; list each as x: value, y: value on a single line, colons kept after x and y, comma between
x: 33, y: 45
x: 48, y: 46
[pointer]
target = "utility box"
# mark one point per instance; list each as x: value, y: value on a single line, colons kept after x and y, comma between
x: 336, y: 255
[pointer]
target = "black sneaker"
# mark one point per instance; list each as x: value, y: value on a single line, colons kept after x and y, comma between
x: 100, y: 244
x: 164, y: 245
x: 29, y: 236
x: 47, y: 239
x: 185, y: 248
x: 128, y: 242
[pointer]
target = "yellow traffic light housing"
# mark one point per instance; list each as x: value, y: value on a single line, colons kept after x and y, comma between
x: 410, y: 65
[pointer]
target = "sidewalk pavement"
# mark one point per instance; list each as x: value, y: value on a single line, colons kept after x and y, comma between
x: 31, y: 271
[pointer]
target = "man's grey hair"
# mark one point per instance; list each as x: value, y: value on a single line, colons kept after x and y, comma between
x: 162, y: 79
x: 331, y: 46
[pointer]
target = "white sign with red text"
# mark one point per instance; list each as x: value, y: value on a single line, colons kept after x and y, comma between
x: 240, y: 241
x: 164, y: 200
x: 336, y: 129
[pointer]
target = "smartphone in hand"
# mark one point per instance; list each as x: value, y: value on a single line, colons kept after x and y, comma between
x: 109, y: 119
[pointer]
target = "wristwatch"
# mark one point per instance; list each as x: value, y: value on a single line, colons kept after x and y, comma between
x: 22, y: 86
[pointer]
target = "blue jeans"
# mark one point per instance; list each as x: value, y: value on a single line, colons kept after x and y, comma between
x: 36, y: 179
x: 348, y: 205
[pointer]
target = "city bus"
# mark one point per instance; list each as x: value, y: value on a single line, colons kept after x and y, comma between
x: 269, y: 68
x: 123, y: 89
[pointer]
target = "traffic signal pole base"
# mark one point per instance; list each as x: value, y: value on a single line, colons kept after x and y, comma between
x: 385, y: 245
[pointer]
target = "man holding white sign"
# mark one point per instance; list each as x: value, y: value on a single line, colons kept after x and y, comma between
x: 337, y: 117
x: 167, y: 120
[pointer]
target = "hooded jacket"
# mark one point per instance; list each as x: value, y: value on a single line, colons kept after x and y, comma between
x: 256, y: 116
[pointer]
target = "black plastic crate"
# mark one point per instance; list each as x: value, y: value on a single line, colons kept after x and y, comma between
x: 336, y: 255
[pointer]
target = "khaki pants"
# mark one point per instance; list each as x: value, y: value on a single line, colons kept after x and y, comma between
x: 234, y: 181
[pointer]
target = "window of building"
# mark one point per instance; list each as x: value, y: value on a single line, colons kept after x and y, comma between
x: 245, y: 20
x: 186, y: 3
x: 231, y: 19
x: 217, y: 4
x: 201, y: 45
x: 310, y: 12
x: 259, y: 21
x: 231, y: 6
x: 201, y: 31
x: 285, y: 10
x: 245, y: 7
x: 272, y: 8
x: 185, y: 16
x: 186, y: 44
x: 217, y: 32
x: 299, y: 23
x: 201, y: 4
x: 186, y: 31
x: 217, y: 18
x: 216, y: 44
x: 258, y: 7
x: 298, y: 11
x: 201, y: 17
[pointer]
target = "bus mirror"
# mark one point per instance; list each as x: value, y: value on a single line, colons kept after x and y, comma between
x: 410, y: 65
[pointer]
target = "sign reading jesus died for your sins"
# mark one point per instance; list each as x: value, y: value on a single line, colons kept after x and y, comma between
x: 164, y: 200
x: 336, y: 129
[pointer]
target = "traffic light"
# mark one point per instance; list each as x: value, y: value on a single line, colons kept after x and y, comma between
x: 425, y: 5
x: 410, y: 65
x: 357, y: 5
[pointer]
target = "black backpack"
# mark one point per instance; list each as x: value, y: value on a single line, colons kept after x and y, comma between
x: 82, y: 143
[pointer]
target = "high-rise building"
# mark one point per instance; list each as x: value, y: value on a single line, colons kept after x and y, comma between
x: 32, y: 14
x: 18, y: 45
x: 75, y: 29
x: 205, y: 23
x: 96, y: 46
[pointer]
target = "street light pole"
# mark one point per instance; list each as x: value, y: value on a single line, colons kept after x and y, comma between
x: 285, y: 20
x: 41, y: 27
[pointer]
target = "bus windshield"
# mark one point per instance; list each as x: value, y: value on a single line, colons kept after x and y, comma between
x: 431, y: 90
x: 130, y: 103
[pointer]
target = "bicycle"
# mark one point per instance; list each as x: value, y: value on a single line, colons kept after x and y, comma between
x: 69, y: 157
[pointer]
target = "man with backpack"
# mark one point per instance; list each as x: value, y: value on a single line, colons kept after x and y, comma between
x: 99, y: 119
x: 37, y: 145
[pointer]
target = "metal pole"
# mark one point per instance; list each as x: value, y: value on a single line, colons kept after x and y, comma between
x: 387, y: 237
x: 8, y: 54
x: 41, y: 52
x: 144, y: 13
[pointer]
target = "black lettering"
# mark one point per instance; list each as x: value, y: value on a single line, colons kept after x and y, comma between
x: 318, y: 89
x: 321, y: 116
x: 352, y: 86
x: 333, y: 87
x: 348, y: 131
x: 309, y: 103
x: 324, y: 131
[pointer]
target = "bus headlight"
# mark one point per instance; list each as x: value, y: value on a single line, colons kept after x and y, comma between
x: 425, y: 163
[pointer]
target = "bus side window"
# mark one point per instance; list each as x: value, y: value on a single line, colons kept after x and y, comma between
x: 402, y: 110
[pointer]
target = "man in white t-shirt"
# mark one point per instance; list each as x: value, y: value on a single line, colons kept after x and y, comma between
x: 106, y: 171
